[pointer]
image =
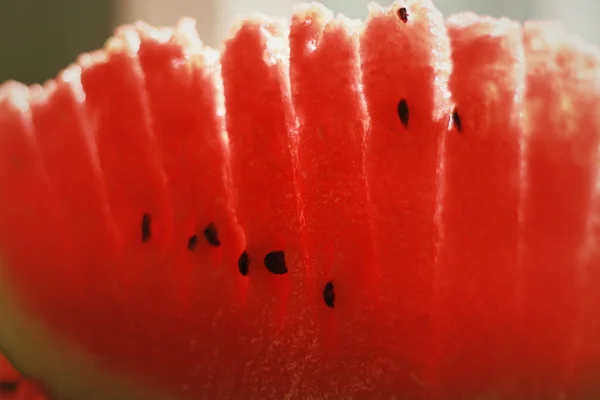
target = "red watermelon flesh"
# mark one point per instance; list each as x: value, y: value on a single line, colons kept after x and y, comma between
x: 261, y: 129
x: 138, y: 197
x: 193, y: 149
x: 405, y: 68
x: 181, y: 78
x: 332, y: 123
x: 9, y: 380
x: 31, y: 208
x: 587, y: 345
x: 183, y: 324
x: 14, y: 386
x: 7, y: 371
x: 73, y: 168
x: 561, y: 163
x: 478, y: 254
x: 141, y: 190
x: 28, y: 391
x: 259, y: 119
x: 191, y: 138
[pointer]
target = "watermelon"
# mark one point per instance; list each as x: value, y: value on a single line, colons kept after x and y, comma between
x: 402, y: 208
x: 14, y: 386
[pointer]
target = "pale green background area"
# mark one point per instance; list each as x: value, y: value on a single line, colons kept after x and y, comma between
x: 517, y: 9
x: 40, y: 37
x: 580, y: 16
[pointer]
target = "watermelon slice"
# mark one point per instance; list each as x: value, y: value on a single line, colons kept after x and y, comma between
x: 324, y: 209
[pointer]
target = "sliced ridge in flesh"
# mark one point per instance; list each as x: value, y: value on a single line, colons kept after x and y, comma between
x: 479, y: 252
x: 29, y: 212
x: 116, y: 106
x: 586, y: 344
x: 73, y: 168
x: 135, y: 181
x: 405, y: 67
x: 185, y: 97
x: 184, y: 88
x: 326, y: 87
x: 586, y: 349
x: 261, y: 128
x: 560, y: 168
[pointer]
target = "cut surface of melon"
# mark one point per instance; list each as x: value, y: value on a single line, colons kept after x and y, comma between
x: 324, y: 209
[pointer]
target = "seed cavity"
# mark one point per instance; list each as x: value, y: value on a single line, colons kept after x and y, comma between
x: 456, y: 121
x: 275, y: 263
x: 244, y: 263
x: 192, y: 242
x: 329, y: 294
x: 212, y: 235
x: 146, y: 228
x: 403, y: 14
x: 8, y: 387
x: 403, y: 112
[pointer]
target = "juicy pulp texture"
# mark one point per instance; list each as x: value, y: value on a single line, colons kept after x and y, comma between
x: 32, y: 204
x: 400, y: 209
x: 184, y: 96
x: 560, y: 167
x: 332, y: 122
x: 73, y: 168
x: 405, y: 68
x: 474, y: 336
x: 260, y: 124
x: 185, y: 102
x: 586, y: 343
x: 118, y: 114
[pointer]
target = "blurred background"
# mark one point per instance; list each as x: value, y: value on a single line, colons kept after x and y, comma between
x: 40, y: 37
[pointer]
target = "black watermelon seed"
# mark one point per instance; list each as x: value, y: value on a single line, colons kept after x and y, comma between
x: 8, y: 387
x: 212, y: 235
x: 329, y: 294
x: 275, y: 263
x: 146, y: 227
x: 244, y: 263
x: 403, y: 112
x: 403, y: 14
x: 192, y: 242
x: 456, y: 120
